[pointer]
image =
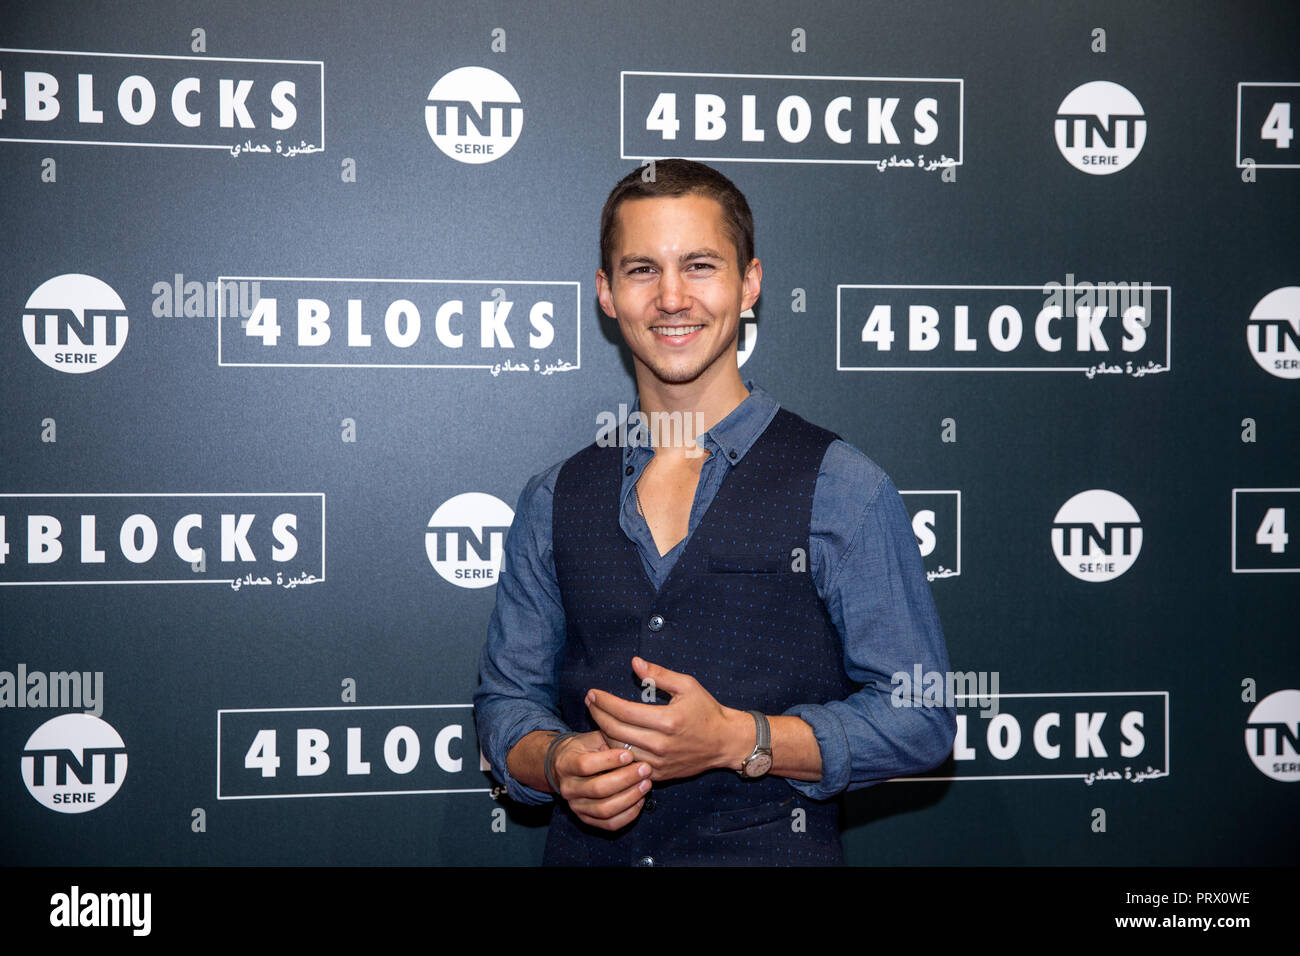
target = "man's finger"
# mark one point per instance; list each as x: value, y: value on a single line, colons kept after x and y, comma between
x: 616, y: 801
x: 643, y: 738
x: 618, y: 820
x: 674, y: 682
x: 588, y: 763
x: 629, y: 713
x: 602, y: 785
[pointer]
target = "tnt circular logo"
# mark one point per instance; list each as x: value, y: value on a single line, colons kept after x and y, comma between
x: 74, y: 763
x: 1273, y: 333
x: 1100, y: 128
x: 1096, y: 535
x: 75, y: 323
x: 474, y: 115
x: 466, y: 539
x: 1273, y: 735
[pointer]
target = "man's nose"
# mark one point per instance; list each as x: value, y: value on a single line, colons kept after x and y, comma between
x: 673, y: 294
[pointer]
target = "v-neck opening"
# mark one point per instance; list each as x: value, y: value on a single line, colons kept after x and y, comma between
x: 683, y: 544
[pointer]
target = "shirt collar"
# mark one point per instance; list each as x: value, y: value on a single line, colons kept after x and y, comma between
x: 735, y: 434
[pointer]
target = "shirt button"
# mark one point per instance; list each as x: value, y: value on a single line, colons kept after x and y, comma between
x: 649, y: 804
x: 646, y: 861
x: 656, y: 623
x: 628, y: 470
x: 732, y: 454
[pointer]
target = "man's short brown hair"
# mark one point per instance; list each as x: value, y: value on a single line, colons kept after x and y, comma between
x: 680, y: 177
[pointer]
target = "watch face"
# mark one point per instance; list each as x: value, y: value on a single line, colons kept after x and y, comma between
x: 758, y: 765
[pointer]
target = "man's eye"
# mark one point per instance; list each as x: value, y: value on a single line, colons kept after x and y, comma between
x: 700, y: 266
x: 638, y: 270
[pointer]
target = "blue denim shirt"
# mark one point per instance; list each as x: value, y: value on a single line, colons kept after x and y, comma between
x: 868, y: 572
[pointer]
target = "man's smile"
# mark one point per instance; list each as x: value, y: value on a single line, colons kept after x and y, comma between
x: 676, y: 333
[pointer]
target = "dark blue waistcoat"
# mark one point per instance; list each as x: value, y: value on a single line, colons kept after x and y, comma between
x: 740, y: 613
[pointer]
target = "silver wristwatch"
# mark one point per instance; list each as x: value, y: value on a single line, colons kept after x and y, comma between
x: 760, y: 761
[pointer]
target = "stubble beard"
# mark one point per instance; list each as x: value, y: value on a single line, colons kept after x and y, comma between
x: 684, y: 371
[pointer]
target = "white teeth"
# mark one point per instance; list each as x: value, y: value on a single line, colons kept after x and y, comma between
x: 683, y: 330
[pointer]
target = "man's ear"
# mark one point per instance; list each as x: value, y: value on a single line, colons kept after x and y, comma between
x: 605, y: 294
x: 753, y: 284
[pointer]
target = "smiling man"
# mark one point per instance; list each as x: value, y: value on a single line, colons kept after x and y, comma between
x: 692, y: 646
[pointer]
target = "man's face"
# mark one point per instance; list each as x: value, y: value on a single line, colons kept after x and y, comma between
x: 676, y: 288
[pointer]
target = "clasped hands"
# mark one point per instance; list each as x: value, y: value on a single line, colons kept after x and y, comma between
x: 605, y: 783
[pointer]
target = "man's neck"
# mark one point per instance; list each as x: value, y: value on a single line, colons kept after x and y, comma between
x: 707, y: 400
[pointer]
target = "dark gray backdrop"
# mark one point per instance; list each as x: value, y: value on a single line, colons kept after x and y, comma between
x: 165, y: 418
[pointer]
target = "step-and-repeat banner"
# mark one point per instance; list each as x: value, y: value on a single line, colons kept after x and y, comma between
x: 297, y: 297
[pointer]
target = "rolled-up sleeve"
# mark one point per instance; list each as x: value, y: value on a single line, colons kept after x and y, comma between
x: 869, y: 574
x: 518, y: 689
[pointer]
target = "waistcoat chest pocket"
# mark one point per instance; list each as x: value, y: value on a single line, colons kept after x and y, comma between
x: 751, y: 562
